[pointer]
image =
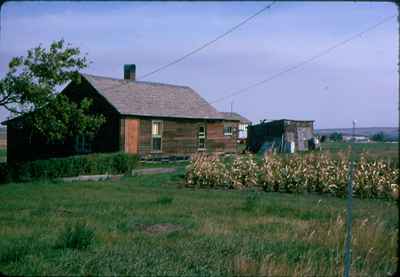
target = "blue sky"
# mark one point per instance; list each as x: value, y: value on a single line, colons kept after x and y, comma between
x: 356, y: 81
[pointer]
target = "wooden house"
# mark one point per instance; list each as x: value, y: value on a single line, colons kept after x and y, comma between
x: 281, y: 134
x: 144, y: 118
x: 243, y: 124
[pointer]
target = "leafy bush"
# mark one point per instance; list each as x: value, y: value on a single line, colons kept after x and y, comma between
x: 78, y: 236
x: 251, y: 201
x: 115, y: 163
x: 164, y: 200
x: 15, y: 249
x: 379, y: 137
x: 314, y: 172
x: 336, y: 136
x: 4, y: 173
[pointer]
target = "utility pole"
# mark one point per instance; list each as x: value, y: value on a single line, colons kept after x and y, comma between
x: 347, y: 248
x: 231, y: 108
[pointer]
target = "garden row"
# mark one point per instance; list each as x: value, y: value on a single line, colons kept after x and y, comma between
x: 113, y: 163
x: 316, y: 173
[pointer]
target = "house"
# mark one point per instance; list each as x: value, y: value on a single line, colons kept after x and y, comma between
x: 243, y: 123
x: 142, y: 118
x: 283, y: 135
x: 357, y: 138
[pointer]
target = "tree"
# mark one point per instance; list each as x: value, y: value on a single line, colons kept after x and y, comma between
x: 336, y: 136
x: 379, y: 137
x: 29, y: 90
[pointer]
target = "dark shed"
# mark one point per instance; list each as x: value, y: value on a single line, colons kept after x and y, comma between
x: 281, y: 133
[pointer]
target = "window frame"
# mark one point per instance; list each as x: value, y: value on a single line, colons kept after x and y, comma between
x: 83, y: 144
x: 203, y: 136
x: 159, y: 136
x: 228, y: 134
x: 243, y: 127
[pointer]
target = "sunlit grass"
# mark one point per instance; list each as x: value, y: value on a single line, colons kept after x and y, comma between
x: 203, y: 232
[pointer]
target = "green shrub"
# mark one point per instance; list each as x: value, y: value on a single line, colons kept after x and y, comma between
x: 78, y: 236
x: 164, y: 200
x: 251, y: 201
x: 115, y: 163
x: 4, y: 173
x: 15, y: 249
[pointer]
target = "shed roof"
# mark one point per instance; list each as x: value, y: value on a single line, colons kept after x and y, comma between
x: 235, y: 116
x: 285, y: 120
x: 152, y: 99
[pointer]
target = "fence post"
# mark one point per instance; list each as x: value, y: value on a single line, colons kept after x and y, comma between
x: 349, y: 210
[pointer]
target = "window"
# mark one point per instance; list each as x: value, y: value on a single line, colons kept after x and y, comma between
x: 83, y: 144
x: 201, y: 138
x: 156, y: 134
x: 228, y: 131
x: 242, y: 127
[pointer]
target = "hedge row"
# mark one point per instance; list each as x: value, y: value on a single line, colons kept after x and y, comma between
x: 114, y: 163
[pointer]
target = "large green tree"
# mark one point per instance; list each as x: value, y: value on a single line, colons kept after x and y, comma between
x: 30, y: 86
x: 380, y: 136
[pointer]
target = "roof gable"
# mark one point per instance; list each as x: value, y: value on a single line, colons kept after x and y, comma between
x: 235, y: 116
x: 152, y: 99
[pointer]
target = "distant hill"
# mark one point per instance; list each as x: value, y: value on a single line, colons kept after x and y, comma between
x: 390, y: 132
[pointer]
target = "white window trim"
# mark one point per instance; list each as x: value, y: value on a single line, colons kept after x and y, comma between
x: 228, y: 134
x: 157, y: 136
x: 203, y: 136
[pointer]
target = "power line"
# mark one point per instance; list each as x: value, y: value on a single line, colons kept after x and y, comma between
x: 309, y: 60
x: 298, y: 65
x: 194, y: 51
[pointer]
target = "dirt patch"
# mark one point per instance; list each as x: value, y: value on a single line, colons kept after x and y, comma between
x: 162, y: 228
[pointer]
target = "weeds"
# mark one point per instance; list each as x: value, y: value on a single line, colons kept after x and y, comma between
x: 14, y: 250
x: 78, y: 236
x: 164, y: 200
x: 251, y: 201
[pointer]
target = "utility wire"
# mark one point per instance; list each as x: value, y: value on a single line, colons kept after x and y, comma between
x: 194, y: 51
x: 309, y: 60
x: 296, y: 66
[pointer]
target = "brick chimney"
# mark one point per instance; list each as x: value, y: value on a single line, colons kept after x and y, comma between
x: 130, y: 72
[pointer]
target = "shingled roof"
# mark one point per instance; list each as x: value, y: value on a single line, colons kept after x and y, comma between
x: 235, y: 116
x: 152, y: 99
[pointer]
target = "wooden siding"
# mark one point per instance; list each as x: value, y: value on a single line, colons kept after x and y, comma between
x: 299, y: 132
x: 217, y: 141
x: 280, y: 131
x: 179, y: 136
x: 24, y: 146
x: 131, y: 134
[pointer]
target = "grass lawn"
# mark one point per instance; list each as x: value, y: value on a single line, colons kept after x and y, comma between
x: 151, y: 225
x: 375, y: 150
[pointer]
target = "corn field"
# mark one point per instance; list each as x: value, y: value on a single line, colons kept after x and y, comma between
x: 312, y: 173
